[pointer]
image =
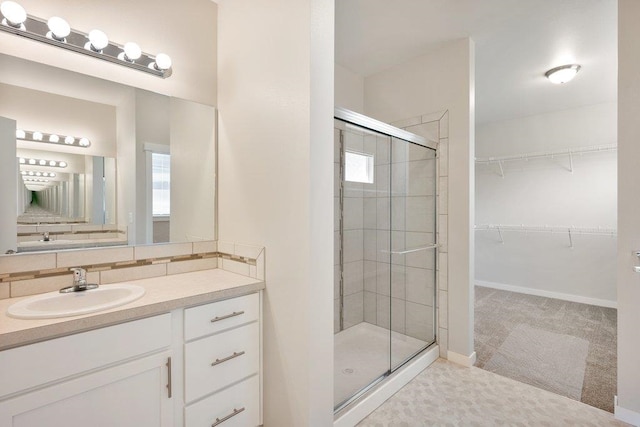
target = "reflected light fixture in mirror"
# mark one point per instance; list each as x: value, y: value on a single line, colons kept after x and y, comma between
x: 42, y: 162
x: 51, y: 138
x: 57, y: 32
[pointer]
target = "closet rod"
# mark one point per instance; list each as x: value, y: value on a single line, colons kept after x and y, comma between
x: 546, y: 229
x: 543, y: 154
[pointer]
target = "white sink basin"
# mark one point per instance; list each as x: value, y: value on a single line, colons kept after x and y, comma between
x: 54, y: 304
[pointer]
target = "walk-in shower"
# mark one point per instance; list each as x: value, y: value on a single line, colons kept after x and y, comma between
x: 385, y: 251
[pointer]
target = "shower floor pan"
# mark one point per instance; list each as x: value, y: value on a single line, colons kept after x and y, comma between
x: 361, y: 355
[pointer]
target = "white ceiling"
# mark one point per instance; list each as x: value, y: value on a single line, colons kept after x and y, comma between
x: 516, y: 42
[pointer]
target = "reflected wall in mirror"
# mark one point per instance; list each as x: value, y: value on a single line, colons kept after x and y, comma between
x: 148, y: 175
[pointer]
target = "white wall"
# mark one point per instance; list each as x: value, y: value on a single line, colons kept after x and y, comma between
x: 275, y: 156
x: 193, y: 171
x: 628, y: 211
x: 442, y: 80
x: 8, y: 178
x: 349, y: 89
x: 543, y: 192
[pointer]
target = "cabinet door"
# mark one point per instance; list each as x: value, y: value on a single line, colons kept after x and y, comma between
x: 133, y: 394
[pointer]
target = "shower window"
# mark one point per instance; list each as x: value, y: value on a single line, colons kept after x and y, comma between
x: 358, y: 167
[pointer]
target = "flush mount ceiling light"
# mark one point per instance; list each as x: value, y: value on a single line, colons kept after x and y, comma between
x: 42, y: 162
x: 51, y: 138
x: 57, y: 32
x: 563, y: 73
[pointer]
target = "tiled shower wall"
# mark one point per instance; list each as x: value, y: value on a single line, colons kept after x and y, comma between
x: 368, y: 225
x: 435, y: 127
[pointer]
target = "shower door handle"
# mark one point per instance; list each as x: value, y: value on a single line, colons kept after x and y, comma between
x: 637, y: 267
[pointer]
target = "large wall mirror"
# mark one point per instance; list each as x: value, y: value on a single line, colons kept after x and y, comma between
x: 147, y: 175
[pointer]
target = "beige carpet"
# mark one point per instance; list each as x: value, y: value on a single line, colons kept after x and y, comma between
x: 499, y: 313
x: 554, y: 362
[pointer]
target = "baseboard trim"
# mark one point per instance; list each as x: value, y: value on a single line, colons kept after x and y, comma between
x: 626, y: 415
x: 548, y: 294
x: 461, y: 359
x: 357, y: 411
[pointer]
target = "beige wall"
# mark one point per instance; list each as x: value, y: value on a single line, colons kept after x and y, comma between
x: 275, y: 157
x: 442, y: 80
x: 349, y: 89
x: 628, y: 211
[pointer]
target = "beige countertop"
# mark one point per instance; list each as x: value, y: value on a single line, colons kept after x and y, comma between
x: 162, y: 295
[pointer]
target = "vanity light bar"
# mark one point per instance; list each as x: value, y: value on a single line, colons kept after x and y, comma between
x: 42, y: 162
x: 35, y: 180
x: 51, y: 138
x: 57, y: 32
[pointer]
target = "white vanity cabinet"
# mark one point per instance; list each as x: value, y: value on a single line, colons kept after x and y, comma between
x: 198, y: 366
x: 222, y: 363
x: 114, y: 376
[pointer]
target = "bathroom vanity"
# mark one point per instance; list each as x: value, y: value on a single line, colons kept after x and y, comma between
x: 179, y: 356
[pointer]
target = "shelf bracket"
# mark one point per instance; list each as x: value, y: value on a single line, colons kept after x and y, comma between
x: 501, y: 168
x: 570, y: 162
x: 570, y: 240
x: 500, y: 235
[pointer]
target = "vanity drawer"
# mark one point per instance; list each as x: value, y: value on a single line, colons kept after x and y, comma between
x: 215, y: 362
x: 237, y: 406
x: 215, y: 317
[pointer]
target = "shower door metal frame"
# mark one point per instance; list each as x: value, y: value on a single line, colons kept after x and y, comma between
x: 362, y: 121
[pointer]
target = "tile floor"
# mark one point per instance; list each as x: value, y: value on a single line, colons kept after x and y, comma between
x: 446, y: 394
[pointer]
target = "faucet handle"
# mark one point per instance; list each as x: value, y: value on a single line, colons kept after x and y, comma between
x: 79, y: 275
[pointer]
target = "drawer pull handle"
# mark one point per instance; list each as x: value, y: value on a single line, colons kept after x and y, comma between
x: 234, y: 314
x: 233, y: 356
x: 221, y: 420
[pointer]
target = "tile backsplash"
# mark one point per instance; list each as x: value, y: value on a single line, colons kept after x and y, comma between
x: 29, y: 274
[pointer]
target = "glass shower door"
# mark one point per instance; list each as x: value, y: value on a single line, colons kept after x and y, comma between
x: 413, y: 254
x: 362, y: 265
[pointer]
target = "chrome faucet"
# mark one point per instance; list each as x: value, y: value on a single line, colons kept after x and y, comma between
x: 45, y: 236
x: 79, y: 282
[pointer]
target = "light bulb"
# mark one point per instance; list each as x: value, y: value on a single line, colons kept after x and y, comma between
x: 31, y: 173
x: 52, y: 175
x: 59, y: 28
x: 37, y: 136
x: 52, y: 163
x: 132, y: 51
x: 20, y: 134
x: 62, y: 164
x: 54, y: 138
x: 14, y: 14
x: 38, y: 173
x: 22, y: 161
x: 84, y: 142
x: 69, y: 140
x: 23, y: 172
x: 42, y: 162
x: 97, y: 40
x: 162, y: 62
x: 32, y: 161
